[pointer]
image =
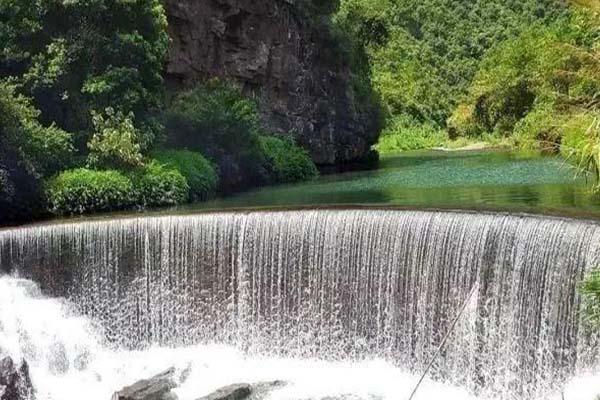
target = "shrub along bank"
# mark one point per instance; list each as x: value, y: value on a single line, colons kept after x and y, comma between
x: 212, y: 143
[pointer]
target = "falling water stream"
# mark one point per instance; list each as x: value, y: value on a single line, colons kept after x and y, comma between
x: 338, y: 303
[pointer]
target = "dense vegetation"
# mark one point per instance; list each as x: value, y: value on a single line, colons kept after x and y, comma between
x: 425, y: 54
x: 590, y: 290
x: 541, y: 90
x: 86, y: 124
x: 83, y: 104
x: 524, y: 73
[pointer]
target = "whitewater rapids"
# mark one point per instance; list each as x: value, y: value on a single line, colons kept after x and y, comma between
x: 68, y: 360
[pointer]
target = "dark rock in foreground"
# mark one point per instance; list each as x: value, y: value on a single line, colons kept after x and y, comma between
x: 238, y: 391
x: 15, y: 382
x: 156, y: 388
x: 243, y: 391
x: 261, y: 390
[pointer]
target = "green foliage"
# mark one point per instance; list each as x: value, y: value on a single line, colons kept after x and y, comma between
x: 28, y: 151
x: 159, y: 185
x: 425, y: 55
x: 590, y: 290
x: 509, y: 82
x: 588, y: 152
x: 404, y: 134
x: 75, y: 56
x: 82, y: 191
x: 216, y: 115
x: 287, y: 162
x: 115, y: 141
x: 217, y: 120
x: 200, y: 173
x: 43, y: 150
x: 543, y: 67
x: 542, y: 88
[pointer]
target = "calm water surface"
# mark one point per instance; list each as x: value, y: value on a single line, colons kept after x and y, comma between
x: 497, y: 180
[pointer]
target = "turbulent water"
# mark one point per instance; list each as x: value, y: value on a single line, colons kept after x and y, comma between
x: 336, y: 302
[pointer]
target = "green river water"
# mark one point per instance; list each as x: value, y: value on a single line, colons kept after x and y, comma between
x: 485, y: 180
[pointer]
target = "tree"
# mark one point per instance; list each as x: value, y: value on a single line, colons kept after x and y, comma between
x: 424, y: 55
x: 28, y: 151
x: 75, y: 56
x: 115, y: 141
x: 217, y: 120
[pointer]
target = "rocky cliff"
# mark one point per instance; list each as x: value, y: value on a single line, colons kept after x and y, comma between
x: 274, y: 51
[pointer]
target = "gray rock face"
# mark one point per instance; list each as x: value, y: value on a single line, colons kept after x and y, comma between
x: 156, y: 388
x: 272, y: 50
x: 15, y: 382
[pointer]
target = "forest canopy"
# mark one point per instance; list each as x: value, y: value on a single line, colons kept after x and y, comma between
x: 87, y: 125
x: 520, y: 73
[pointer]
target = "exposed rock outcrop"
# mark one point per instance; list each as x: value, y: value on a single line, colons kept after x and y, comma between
x: 15, y: 381
x: 238, y: 391
x: 243, y: 391
x: 156, y: 388
x: 273, y: 50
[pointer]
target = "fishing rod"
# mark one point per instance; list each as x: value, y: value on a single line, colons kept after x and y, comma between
x: 443, y: 344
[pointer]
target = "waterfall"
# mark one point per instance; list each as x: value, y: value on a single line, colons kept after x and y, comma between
x: 334, y: 285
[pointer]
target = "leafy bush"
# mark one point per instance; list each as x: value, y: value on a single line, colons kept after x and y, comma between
x: 28, y: 151
x: 464, y: 122
x: 540, y: 129
x: 590, y: 290
x: 404, y: 134
x: 217, y: 120
x: 115, y: 141
x: 589, y: 153
x: 83, y: 190
x: 43, y: 150
x: 214, y: 115
x: 286, y: 161
x: 200, y: 173
x: 159, y: 185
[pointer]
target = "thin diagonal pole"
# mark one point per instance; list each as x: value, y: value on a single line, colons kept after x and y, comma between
x: 443, y: 344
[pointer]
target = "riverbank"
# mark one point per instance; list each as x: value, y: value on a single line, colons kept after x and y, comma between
x: 488, y: 180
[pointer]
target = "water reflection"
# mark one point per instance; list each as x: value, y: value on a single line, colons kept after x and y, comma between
x: 466, y: 180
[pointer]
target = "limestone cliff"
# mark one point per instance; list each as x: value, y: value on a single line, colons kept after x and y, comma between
x: 273, y: 51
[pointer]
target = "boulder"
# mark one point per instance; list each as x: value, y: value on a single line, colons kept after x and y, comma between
x: 156, y: 388
x: 262, y: 390
x: 243, y: 391
x: 15, y: 381
x: 238, y: 391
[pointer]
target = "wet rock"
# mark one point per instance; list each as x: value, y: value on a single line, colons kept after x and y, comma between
x: 243, y: 391
x: 15, y: 382
x: 156, y: 388
x: 238, y: 391
x: 263, y: 389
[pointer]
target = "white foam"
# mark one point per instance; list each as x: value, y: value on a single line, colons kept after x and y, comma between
x: 68, y: 361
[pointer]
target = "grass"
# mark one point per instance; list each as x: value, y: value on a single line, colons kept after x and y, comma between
x: 419, y: 138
